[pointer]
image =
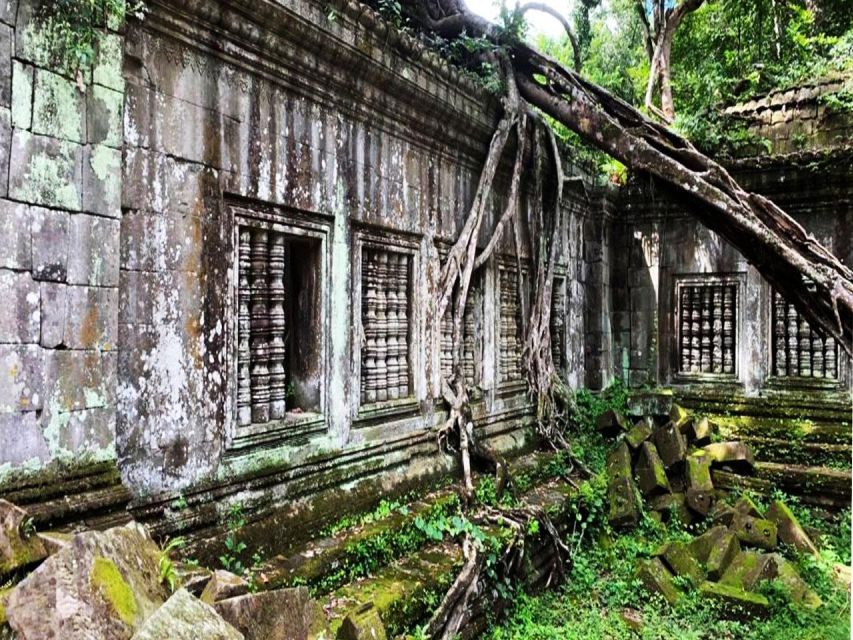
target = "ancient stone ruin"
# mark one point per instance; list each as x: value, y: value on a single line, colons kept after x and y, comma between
x: 222, y: 250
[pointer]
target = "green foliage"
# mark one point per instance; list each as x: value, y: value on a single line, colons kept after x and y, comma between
x: 73, y: 27
x: 167, y: 574
x: 231, y: 560
x: 587, y: 444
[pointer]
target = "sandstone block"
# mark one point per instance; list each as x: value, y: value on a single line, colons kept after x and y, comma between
x: 619, y: 463
x: 672, y: 504
x: 102, y: 180
x: 222, y: 585
x: 679, y: 559
x: 797, y: 588
x: 721, y: 554
x: 736, y: 602
x: 55, y: 540
x: 651, y: 475
x: 8, y: 10
x: 678, y: 415
x: 5, y: 150
x: 722, y: 514
x: 54, y: 310
x: 50, y: 244
x: 639, y: 433
x: 92, y: 318
x: 624, y: 507
x: 94, y: 251
x: 22, y: 94
x: 46, y: 171
x: 701, y: 546
x: 698, y: 431
x: 104, y: 116
x: 747, y: 570
x: 611, y: 423
x: 755, y: 532
x: 15, y: 251
x: 746, y: 506
x: 22, y: 438
x: 107, y: 70
x: 657, y: 579
x: 19, y: 315
x: 107, y: 583
x: 282, y: 614
x: 59, y: 107
x: 19, y: 544
x: 363, y: 624
x: 6, y: 50
x: 21, y: 378
x: 789, y: 529
x: 670, y: 444
x: 700, y: 488
x: 185, y: 617
x: 734, y: 455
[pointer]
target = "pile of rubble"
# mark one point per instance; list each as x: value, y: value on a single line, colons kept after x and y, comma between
x: 118, y: 584
x: 664, y: 463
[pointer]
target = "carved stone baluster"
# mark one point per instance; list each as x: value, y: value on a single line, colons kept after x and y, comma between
x: 380, y: 275
x: 684, y: 327
x: 705, y: 362
x: 369, y: 297
x: 244, y: 389
x: 717, y: 330
x: 817, y: 349
x: 403, y: 296
x: 804, y: 347
x: 793, y: 343
x: 831, y: 359
x: 729, y: 328
x: 779, y: 335
x: 695, y: 330
x: 393, y: 339
x: 259, y: 322
x: 278, y: 385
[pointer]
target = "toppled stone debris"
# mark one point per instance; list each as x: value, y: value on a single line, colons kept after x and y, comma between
x: 19, y: 545
x: 671, y: 466
x: 222, y: 585
x: 185, y: 617
x: 363, y: 624
x: 281, y: 614
x: 101, y: 585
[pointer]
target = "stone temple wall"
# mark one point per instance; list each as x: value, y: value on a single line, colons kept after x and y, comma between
x: 249, y: 294
x: 60, y: 211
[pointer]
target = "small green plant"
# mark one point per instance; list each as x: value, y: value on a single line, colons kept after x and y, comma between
x: 234, y: 547
x: 168, y: 575
x: 179, y: 503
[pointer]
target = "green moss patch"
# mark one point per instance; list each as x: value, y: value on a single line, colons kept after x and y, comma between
x: 109, y: 582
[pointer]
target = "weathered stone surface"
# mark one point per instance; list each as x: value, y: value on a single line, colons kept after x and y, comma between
x: 50, y: 244
x: 107, y: 70
x: 104, y: 116
x: 19, y: 547
x: 191, y: 577
x: 672, y: 504
x: 55, y: 541
x: 222, y: 585
x: 103, y: 585
x: 91, y: 318
x: 619, y: 463
x: 746, y: 506
x: 797, y: 588
x: 722, y: 514
x: 700, y: 488
x: 698, y: 431
x: 678, y: 415
x: 679, y: 559
x: 747, y: 570
x: 94, y: 259
x: 102, y: 180
x: 185, y: 617
x: 721, y: 555
x: 5, y: 149
x: 670, y: 444
x: 651, y: 475
x: 15, y: 252
x: 21, y: 378
x: 363, y: 624
x: 789, y: 529
x: 738, y: 604
x: 45, y: 171
x: 283, y: 614
x: 624, y: 506
x: 22, y: 94
x: 755, y: 532
x: 611, y: 423
x: 59, y: 107
x: 735, y: 455
x: 701, y: 546
x: 639, y: 433
x: 657, y: 579
x: 54, y: 311
x: 19, y: 315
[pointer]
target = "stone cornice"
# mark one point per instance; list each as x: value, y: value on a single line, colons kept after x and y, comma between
x: 356, y: 63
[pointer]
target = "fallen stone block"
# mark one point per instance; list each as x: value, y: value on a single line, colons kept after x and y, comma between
x: 192, y: 578
x: 738, y: 604
x: 678, y: 416
x: 282, y: 614
x: 700, y: 488
x: 746, y: 506
x: 185, y: 617
x: 624, y: 506
x: 222, y: 585
x: 363, y: 624
x: 55, y: 540
x: 657, y: 579
x: 733, y: 455
x: 651, y: 475
x: 755, y: 532
x: 670, y: 444
x: 672, y: 504
x: 698, y: 431
x: 640, y: 432
x: 789, y: 529
x: 722, y: 513
x: 797, y: 588
x: 748, y: 569
x: 701, y: 546
x: 619, y: 463
x: 721, y: 555
x: 19, y: 544
x: 107, y: 583
x: 633, y: 619
x: 677, y: 557
x: 611, y: 423
x: 700, y: 501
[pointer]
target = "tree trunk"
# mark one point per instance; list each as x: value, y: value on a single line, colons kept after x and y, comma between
x: 790, y: 259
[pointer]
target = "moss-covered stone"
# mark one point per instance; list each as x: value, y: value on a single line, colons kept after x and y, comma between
x: 624, y: 511
x: 721, y: 554
x: 747, y: 569
x: 678, y: 415
x: 656, y: 578
x: 19, y: 544
x: 650, y: 472
x: 611, y: 423
x: 738, y: 604
x: 734, y: 455
x: 755, y: 532
x: 679, y: 559
x: 789, y: 529
x: 639, y: 433
x: 107, y: 579
x: 670, y: 444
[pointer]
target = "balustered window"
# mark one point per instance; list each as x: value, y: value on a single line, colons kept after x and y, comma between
x: 471, y: 336
x: 798, y: 349
x: 278, y: 324
x: 558, y: 323
x: 385, y: 312
x: 707, y: 327
x: 510, y: 326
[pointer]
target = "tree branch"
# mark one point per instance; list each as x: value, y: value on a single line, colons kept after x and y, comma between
x: 544, y: 8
